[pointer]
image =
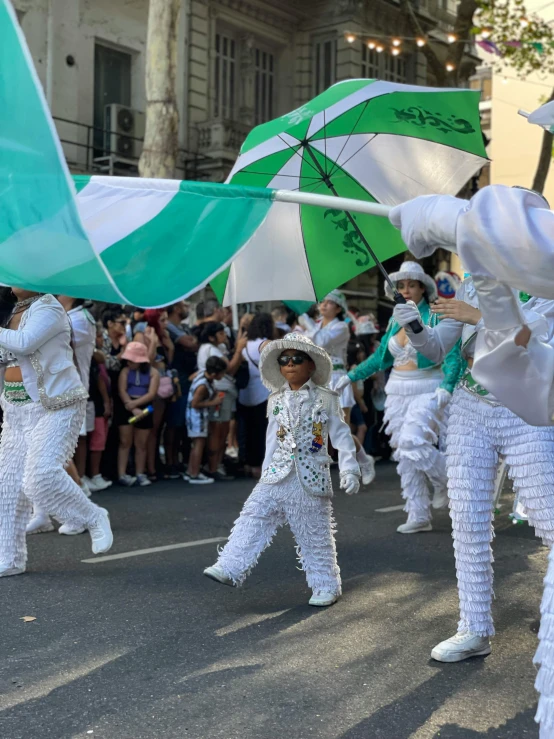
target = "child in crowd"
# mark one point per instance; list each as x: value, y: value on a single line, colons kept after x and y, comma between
x: 138, y: 387
x: 295, y: 486
x: 202, y: 397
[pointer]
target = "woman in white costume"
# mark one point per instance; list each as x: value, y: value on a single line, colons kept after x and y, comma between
x: 43, y: 401
x: 332, y: 334
x: 506, y: 235
x: 418, y: 391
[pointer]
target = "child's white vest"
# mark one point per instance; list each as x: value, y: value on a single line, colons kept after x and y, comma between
x: 310, y: 456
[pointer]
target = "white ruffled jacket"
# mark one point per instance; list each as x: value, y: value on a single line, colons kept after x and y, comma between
x: 321, y: 416
x: 42, y: 347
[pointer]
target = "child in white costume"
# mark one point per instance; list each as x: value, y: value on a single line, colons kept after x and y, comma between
x: 480, y: 429
x: 332, y: 333
x: 295, y: 486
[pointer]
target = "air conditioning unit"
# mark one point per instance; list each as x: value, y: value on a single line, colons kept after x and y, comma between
x: 124, y: 131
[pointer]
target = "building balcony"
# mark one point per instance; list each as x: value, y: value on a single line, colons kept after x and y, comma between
x: 220, y: 140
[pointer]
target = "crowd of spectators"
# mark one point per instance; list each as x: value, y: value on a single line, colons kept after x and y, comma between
x: 175, y: 398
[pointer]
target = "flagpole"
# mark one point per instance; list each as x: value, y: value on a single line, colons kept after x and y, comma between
x: 332, y: 201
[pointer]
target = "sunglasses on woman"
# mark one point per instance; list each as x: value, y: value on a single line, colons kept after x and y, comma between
x: 284, y: 359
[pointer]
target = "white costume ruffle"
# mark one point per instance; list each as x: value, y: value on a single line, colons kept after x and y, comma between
x: 414, y: 427
x: 311, y: 521
x: 34, y: 447
x: 477, y: 433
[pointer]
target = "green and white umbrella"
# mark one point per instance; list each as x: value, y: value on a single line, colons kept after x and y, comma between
x: 364, y: 139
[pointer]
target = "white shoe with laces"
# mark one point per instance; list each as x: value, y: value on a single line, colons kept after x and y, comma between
x: 461, y: 646
x: 143, y: 481
x: 368, y: 470
x: 440, y: 499
x: 40, y: 524
x: 101, y: 533
x: 215, y: 572
x: 322, y: 599
x: 127, y: 481
x: 97, y: 483
x: 200, y: 479
x: 70, y: 529
x: 414, y: 527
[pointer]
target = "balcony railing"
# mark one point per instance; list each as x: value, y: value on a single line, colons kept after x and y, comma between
x: 221, y: 138
x: 88, y: 149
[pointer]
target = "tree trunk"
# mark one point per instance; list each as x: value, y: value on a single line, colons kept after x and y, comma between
x: 545, y: 158
x: 161, y: 140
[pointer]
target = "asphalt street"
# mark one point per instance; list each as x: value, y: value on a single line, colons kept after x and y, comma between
x: 145, y: 647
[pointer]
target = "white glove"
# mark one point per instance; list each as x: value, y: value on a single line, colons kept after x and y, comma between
x: 405, y: 313
x: 442, y: 397
x: 428, y: 222
x: 350, y: 483
x: 342, y: 383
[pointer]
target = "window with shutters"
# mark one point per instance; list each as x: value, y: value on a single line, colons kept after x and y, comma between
x: 383, y: 65
x: 225, y: 77
x: 264, y: 86
x: 325, y: 68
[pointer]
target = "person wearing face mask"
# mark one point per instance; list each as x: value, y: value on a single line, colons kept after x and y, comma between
x: 418, y: 391
x: 331, y: 332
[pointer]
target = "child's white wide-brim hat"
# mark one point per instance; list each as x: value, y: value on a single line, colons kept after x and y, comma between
x: 270, y: 370
x: 412, y: 271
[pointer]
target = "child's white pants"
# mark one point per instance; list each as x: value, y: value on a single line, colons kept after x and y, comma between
x: 311, y: 521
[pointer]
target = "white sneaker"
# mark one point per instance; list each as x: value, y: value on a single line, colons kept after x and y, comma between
x: 143, y: 481
x: 101, y: 533
x: 215, y: 572
x: 97, y: 483
x: 85, y: 488
x: 9, y: 571
x: 232, y: 452
x: 414, y: 527
x: 321, y: 599
x: 440, y: 499
x: 127, y: 481
x: 460, y: 647
x: 40, y: 524
x: 368, y: 471
x: 201, y: 479
x: 69, y: 529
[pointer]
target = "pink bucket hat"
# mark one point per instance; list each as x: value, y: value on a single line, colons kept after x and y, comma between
x: 136, y: 352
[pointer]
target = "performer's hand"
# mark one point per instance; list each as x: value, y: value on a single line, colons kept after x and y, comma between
x: 443, y: 397
x: 405, y: 313
x: 342, y: 383
x: 459, y: 310
x: 428, y: 222
x: 350, y: 483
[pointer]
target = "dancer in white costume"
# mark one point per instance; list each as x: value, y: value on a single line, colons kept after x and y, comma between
x: 507, y: 236
x: 295, y: 486
x: 480, y: 429
x: 418, y: 391
x: 83, y: 338
x: 332, y: 333
x: 43, y: 402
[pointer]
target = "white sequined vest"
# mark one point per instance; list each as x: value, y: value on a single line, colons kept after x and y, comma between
x: 310, y: 456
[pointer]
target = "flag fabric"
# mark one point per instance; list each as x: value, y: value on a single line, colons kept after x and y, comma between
x: 125, y: 240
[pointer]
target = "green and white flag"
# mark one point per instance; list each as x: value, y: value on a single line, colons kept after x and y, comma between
x: 125, y: 240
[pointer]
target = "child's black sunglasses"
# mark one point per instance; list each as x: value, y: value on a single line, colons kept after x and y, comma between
x: 283, y: 360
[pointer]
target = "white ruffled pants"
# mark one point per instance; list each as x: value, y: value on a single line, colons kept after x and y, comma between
x: 34, y: 447
x: 311, y: 521
x: 477, y: 433
x: 414, y: 428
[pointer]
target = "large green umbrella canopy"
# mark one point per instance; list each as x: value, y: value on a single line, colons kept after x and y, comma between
x: 364, y: 139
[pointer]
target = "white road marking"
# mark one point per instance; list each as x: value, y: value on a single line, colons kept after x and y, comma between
x: 390, y: 509
x: 140, y: 552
